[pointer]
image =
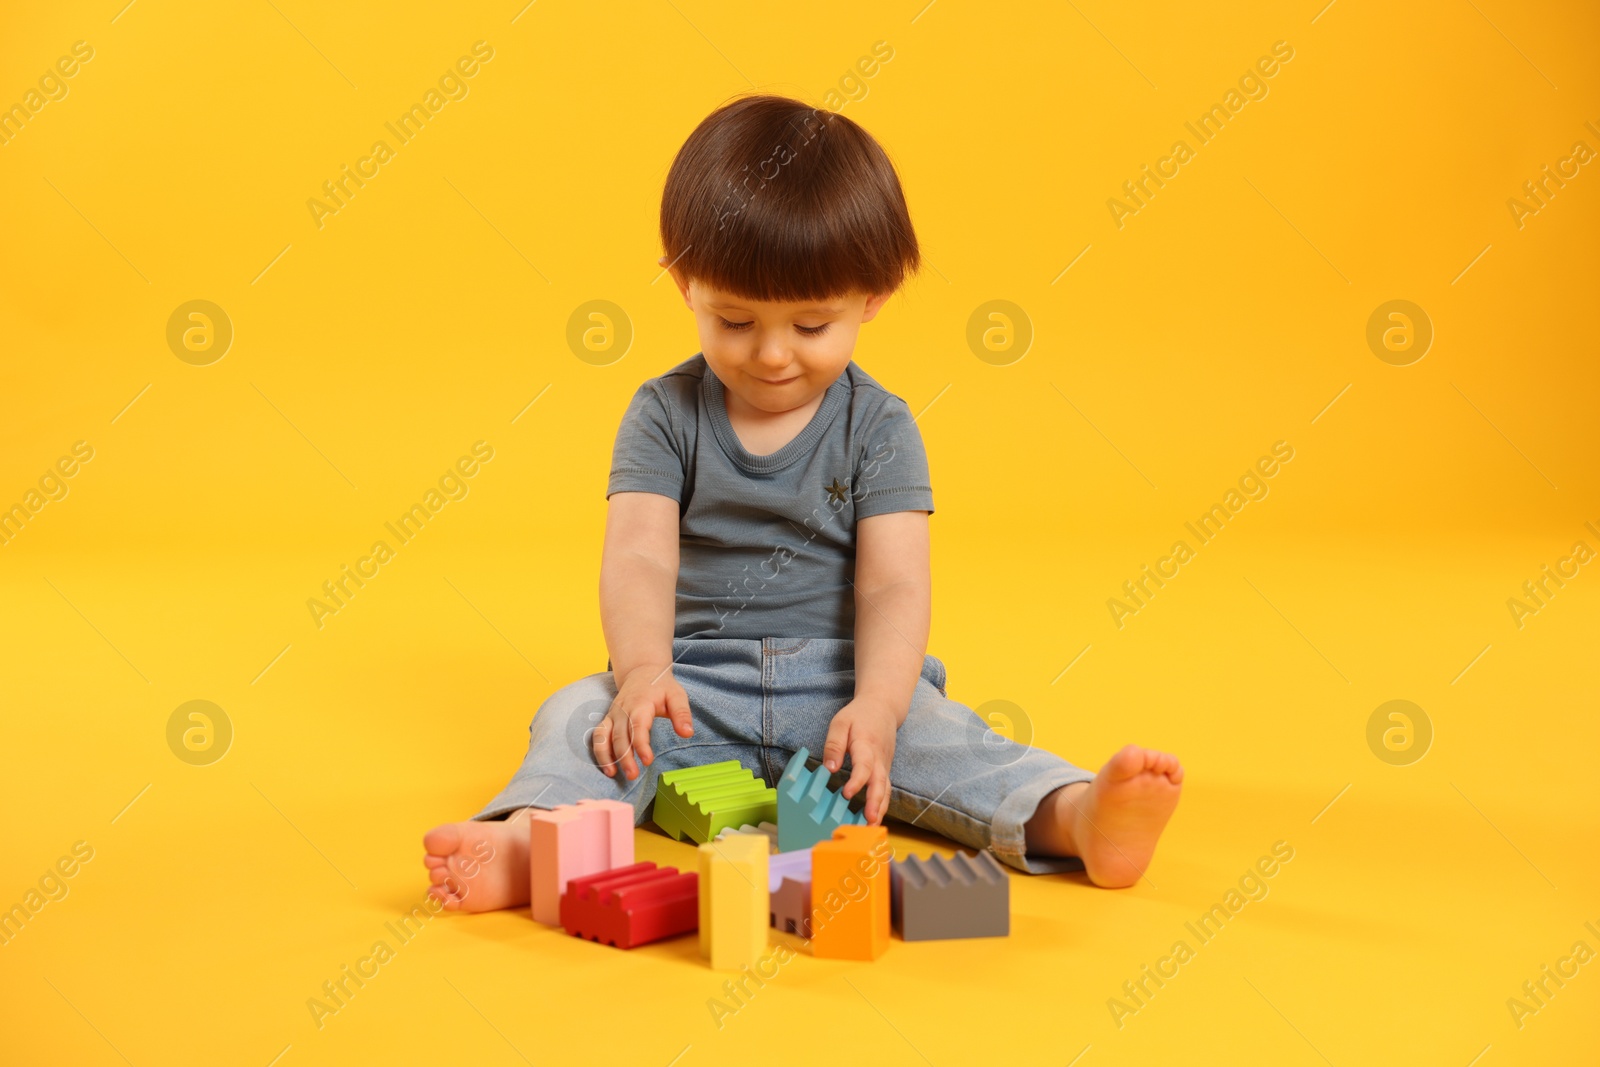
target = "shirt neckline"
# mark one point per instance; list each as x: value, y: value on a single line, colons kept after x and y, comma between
x: 714, y: 396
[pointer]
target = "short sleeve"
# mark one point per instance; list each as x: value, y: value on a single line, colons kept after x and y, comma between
x: 645, y: 458
x: 892, y: 471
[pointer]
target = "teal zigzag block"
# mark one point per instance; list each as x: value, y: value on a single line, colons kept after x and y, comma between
x: 808, y: 811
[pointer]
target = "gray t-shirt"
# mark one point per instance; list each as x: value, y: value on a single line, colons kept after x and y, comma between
x: 767, y: 544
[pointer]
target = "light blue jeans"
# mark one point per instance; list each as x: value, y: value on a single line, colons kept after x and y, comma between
x: 758, y: 701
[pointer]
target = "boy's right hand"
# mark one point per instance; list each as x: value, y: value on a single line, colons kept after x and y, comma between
x: 647, y: 693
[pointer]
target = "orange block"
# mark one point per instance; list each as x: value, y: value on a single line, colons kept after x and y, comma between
x: 850, y: 894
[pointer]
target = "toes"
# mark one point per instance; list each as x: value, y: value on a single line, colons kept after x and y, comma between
x: 1133, y: 760
x: 438, y: 874
x: 1166, y: 763
x: 431, y: 861
x: 1129, y: 761
x: 1174, y: 770
x: 442, y: 840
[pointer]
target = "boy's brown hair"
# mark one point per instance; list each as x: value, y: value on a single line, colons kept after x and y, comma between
x: 772, y: 199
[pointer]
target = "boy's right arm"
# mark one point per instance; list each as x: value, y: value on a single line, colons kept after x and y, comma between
x: 638, y: 593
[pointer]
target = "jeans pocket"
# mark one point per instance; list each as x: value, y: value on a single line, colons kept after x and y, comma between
x: 933, y: 670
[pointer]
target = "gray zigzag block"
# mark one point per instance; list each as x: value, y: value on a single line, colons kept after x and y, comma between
x: 935, y: 899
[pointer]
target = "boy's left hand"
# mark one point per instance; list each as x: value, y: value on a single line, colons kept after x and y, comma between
x: 866, y: 730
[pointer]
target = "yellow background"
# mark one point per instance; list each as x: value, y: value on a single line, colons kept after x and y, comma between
x: 426, y: 315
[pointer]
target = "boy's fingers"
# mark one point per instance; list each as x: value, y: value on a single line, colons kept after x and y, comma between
x: 639, y: 723
x: 833, y: 748
x: 878, y: 794
x: 678, y: 710
x: 601, y: 742
x: 860, y: 773
x: 622, y: 748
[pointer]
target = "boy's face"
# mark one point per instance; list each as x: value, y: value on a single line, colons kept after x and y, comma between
x: 774, y: 355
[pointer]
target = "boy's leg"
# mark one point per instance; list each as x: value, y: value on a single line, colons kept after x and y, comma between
x: 953, y: 775
x: 560, y: 765
x: 722, y: 679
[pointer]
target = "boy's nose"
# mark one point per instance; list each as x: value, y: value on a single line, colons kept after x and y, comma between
x: 772, y: 357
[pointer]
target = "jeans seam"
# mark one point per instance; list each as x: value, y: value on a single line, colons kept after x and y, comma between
x: 767, y: 688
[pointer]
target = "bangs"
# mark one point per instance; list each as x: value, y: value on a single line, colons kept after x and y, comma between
x: 771, y: 199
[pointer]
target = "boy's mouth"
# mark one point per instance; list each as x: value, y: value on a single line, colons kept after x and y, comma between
x: 779, y: 381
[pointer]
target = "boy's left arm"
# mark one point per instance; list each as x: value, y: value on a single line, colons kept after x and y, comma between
x: 894, y: 594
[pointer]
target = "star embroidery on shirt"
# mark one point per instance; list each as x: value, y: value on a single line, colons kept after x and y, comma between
x: 836, y: 492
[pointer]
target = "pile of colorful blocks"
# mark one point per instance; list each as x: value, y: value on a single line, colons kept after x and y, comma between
x: 795, y: 858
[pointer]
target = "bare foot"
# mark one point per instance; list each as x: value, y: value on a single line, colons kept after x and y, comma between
x: 1114, y: 821
x: 479, y: 866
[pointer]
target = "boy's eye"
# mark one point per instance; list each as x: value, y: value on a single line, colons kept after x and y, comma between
x: 809, y: 331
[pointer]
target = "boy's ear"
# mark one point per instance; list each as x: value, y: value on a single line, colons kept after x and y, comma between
x: 874, y: 302
x: 678, y: 279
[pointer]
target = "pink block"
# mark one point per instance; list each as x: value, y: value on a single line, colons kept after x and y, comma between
x: 572, y: 841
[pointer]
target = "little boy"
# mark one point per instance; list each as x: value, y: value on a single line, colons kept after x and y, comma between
x: 764, y: 583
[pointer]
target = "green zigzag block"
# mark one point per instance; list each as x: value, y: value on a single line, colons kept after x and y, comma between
x: 700, y: 802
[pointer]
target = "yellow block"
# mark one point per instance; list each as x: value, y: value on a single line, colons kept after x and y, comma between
x: 733, y: 901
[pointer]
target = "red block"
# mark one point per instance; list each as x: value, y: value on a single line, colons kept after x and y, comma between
x: 629, y: 906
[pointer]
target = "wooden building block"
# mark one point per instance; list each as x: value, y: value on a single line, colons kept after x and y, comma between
x: 795, y: 865
x: 965, y: 896
x: 571, y: 841
x: 791, y: 907
x: 733, y: 909
x: 770, y: 829
x: 808, y: 811
x: 789, y: 883
x: 629, y: 906
x: 700, y: 802
x: 850, y: 894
